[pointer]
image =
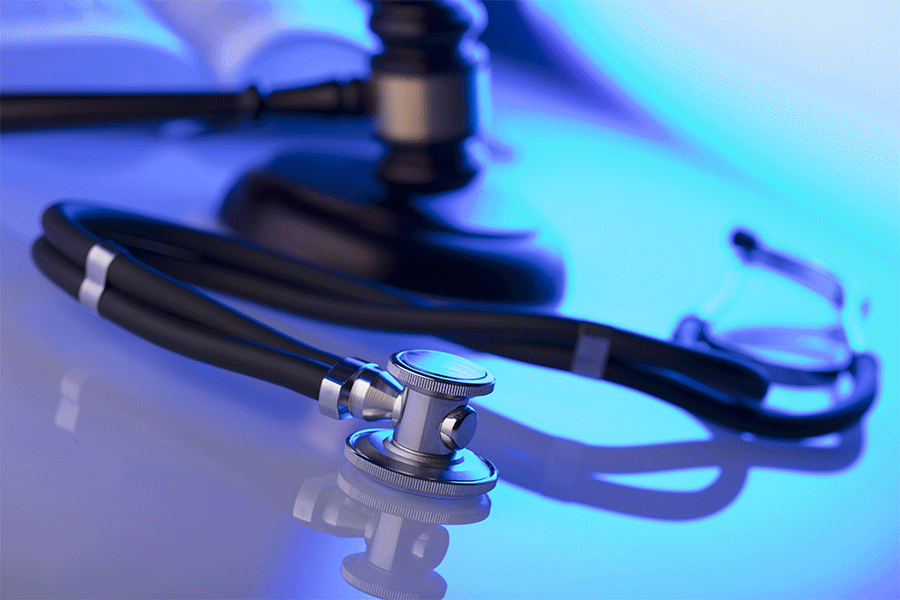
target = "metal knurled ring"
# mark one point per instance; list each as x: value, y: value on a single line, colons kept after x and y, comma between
x: 437, y: 383
x: 415, y: 484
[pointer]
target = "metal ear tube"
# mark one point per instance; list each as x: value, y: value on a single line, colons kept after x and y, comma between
x: 425, y: 393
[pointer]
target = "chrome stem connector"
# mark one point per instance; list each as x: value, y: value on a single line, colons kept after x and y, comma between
x: 353, y: 388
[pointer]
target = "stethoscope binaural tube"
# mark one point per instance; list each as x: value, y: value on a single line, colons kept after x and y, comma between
x: 149, y: 291
x: 825, y: 352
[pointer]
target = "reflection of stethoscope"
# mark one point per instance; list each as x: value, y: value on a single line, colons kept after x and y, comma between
x: 133, y: 271
x: 404, y: 534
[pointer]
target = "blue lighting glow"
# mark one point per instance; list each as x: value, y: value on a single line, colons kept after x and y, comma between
x: 802, y: 96
x: 129, y: 470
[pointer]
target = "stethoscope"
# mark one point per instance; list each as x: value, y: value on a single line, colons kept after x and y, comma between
x: 140, y: 273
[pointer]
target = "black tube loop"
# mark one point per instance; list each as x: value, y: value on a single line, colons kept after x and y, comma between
x: 150, y: 293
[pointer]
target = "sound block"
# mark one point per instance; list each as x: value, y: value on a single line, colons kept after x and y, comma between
x: 334, y: 210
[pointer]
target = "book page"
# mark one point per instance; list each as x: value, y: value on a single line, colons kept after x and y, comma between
x: 93, y: 45
x: 275, y: 43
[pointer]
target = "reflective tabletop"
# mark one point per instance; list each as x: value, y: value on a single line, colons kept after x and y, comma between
x: 131, y: 472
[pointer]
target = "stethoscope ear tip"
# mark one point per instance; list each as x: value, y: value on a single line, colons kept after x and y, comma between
x: 744, y: 238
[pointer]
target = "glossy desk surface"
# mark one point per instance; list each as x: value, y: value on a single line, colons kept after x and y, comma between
x: 128, y: 471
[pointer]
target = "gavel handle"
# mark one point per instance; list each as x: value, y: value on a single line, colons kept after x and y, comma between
x: 42, y: 111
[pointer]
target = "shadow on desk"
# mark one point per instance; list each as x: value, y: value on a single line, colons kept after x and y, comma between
x: 574, y: 472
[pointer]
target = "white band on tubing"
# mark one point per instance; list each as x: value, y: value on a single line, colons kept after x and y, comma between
x: 591, y: 353
x: 95, y: 269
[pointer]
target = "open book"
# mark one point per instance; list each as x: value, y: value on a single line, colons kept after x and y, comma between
x: 157, y: 45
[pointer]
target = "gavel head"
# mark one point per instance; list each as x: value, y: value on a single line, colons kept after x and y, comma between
x: 425, y: 91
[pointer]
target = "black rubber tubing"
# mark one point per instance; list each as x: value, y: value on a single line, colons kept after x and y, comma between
x: 161, y: 291
x: 272, y: 364
x: 130, y: 229
x: 694, y: 380
x: 761, y: 420
x: 464, y: 327
x: 238, y: 268
x: 352, y: 301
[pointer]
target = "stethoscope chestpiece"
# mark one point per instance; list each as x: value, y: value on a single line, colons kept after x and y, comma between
x: 426, y: 451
